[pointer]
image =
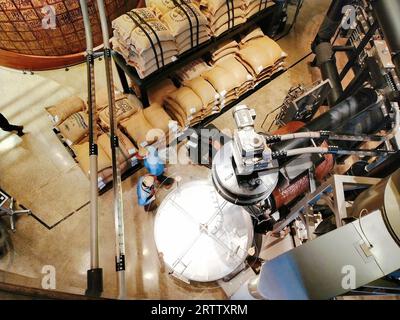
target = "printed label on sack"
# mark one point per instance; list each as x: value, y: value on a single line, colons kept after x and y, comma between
x: 173, y: 126
x: 100, y: 183
x: 131, y: 151
x: 134, y: 162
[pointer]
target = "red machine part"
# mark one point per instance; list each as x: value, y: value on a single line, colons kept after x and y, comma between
x: 285, y: 195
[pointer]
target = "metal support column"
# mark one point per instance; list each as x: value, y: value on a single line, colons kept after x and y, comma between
x: 117, y: 185
x: 94, y: 274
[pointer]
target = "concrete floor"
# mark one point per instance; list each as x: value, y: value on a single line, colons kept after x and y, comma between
x: 38, y: 171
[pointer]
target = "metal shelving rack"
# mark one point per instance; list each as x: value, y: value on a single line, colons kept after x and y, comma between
x: 268, y: 19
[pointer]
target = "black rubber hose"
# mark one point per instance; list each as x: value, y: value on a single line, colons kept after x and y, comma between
x: 327, y: 63
x: 331, y: 22
x: 334, y: 118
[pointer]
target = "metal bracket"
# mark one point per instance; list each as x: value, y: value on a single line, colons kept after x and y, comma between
x: 336, y: 185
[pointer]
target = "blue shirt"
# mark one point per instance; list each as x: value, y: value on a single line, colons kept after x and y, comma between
x: 153, y: 163
x: 144, y: 194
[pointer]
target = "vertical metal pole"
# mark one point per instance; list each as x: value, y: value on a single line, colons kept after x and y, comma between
x: 94, y: 274
x: 118, y: 203
x: 387, y: 13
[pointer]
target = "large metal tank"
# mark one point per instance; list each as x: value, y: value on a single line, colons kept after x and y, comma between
x: 41, y: 35
x: 385, y: 196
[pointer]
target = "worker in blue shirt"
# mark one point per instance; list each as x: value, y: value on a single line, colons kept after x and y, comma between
x: 156, y: 166
x: 146, y: 185
x: 146, y: 192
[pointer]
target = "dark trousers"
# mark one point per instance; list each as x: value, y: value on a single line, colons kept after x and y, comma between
x: 6, y: 126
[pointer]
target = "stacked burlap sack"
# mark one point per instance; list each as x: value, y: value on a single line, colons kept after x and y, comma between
x: 192, y: 70
x: 144, y: 41
x: 251, y: 7
x: 230, y: 76
x: 226, y: 49
x: 186, y: 22
x: 71, y: 119
x: 262, y: 56
x: 223, y: 15
x: 147, y: 126
x: 126, y: 156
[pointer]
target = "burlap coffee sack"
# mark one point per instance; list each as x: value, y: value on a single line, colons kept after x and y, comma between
x: 222, y: 80
x: 150, y: 58
x: 124, y: 25
x: 268, y: 45
x: 244, y: 88
x: 188, y: 44
x: 75, y: 127
x: 256, y: 33
x: 144, y: 73
x: 211, y: 6
x: 138, y: 128
x: 162, y: 5
x: 256, y: 6
x: 119, y: 47
x: 126, y: 148
x: 226, y: 17
x: 105, y: 175
x: 178, y: 113
x: 223, y: 28
x: 203, y: 89
x: 139, y: 40
x: 157, y: 117
x: 153, y: 63
x: 233, y: 66
x: 186, y: 36
x: 125, y: 106
x: 187, y: 99
x: 177, y: 20
x: 226, y: 45
x: 231, y: 52
x: 175, y: 112
x: 62, y: 110
x: 269, y: 73
x: 226, y: 99
x: 159, y: 91
x: 192, y: 70
x: 82, y: 156
x: 147, y: 54
x: 102, y: 97
x: 261, y: 53
x: 221, y: 11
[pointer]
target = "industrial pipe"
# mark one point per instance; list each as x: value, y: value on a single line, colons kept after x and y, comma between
x: 387, y: 14
x: 117, y: 185
x: 346, y: 117
x: 331, y: 22
x: 326, y: 62
x: 333, y: 118
x: 94, y: 274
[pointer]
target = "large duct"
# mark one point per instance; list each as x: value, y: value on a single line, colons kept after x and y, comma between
x: 335, y: 117
x: 360, y: 114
